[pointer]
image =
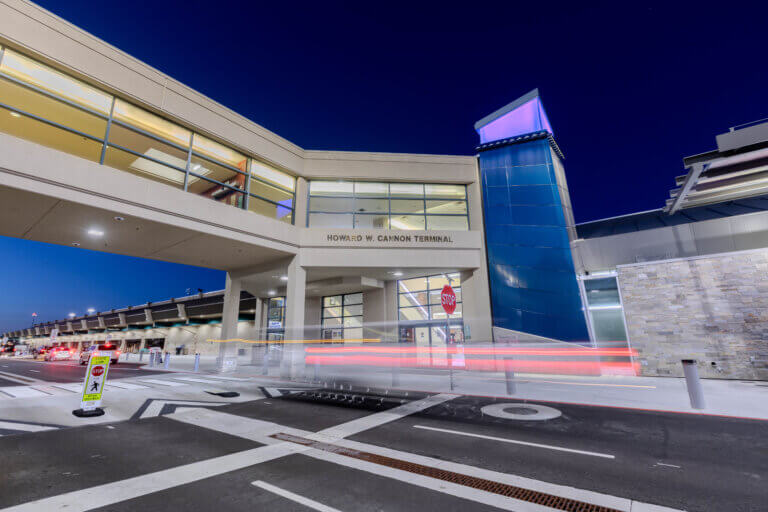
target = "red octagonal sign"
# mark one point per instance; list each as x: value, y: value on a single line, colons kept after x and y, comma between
x: 448, y: 299
x: 97, y: 370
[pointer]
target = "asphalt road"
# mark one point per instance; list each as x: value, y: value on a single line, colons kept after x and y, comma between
x: 216, y: 461
x: 61, y: 371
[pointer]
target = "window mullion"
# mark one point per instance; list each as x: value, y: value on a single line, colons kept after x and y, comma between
x: 247, y: 199
x: 106, y: 132
x: 189, y: 161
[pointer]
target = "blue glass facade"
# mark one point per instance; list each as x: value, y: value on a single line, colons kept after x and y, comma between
x: 527, y: 216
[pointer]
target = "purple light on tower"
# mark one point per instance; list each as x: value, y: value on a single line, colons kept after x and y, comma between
x: 524, y: 115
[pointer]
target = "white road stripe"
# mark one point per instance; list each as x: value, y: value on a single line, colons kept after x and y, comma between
x: 75, y: 387
x: 295, y: 497
x: 197, y: 379
x: 163, y: 382
x: 36, y: 371
x: 513, y: 441
x: 220, y: 377
x: 125, y: 385
x: 22, y: 392
x: 26, y: 427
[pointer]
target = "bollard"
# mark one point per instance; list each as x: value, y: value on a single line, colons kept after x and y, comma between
x: 167, y: 360
x: 265, y: 361
x: 151, y: 359
x: 450, y: 370
x: 197, y: 362
x: 396, y: 370
x: 509, y: 376
x: 141, y: 355
x: 692, y: 382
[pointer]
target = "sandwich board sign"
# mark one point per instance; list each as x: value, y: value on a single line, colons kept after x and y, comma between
x: 95, y: 378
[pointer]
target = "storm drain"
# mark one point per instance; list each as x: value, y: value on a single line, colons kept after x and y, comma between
x: 510, y: 491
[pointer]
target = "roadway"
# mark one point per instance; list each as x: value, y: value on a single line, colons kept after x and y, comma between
x: 329, y: 451
x: 30, y: 371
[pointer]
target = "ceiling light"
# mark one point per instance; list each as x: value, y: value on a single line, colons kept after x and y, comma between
x: 283, y: 278
x: 76, y: 244
x: 71, y: 315
x: 396, y: 273
x: 95, y: 232
x: 91, y: 311
x: 271, y: 292
x: 119, y: 219
x: 15, y: 114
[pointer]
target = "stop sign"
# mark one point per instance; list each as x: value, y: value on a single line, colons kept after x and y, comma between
x: 448, y: 299
x: 97, y: 370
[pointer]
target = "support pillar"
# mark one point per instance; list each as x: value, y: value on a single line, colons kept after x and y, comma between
x: 227, y: 360
x: 476, y: 306
x: 257, y: 350
x: 295, y: 298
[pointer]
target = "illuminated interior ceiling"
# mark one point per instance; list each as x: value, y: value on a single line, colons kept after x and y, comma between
x: 717, y: 177
x: 524, y: 115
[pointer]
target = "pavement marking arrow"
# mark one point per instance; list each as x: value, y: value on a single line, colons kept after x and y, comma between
x: 278, y: 392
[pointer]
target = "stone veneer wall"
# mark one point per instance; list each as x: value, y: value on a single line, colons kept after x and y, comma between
x: 712, y: 309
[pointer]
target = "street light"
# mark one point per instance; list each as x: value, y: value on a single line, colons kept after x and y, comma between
x: 71, y: 315
x: 91, y: 311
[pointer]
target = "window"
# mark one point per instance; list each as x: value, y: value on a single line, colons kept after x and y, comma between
x: 275, y: 318
x: 50, y: 108
x: 419, y: 298
x: 342, y: 317
x: 604, y: 308
x: 398, y: 206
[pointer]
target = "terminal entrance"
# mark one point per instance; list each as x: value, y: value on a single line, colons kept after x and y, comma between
x: 433, y: 337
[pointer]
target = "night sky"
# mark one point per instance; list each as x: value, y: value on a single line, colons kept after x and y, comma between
x: 630, y: 89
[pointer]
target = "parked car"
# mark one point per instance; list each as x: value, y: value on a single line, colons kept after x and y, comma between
x: 59, y: 353
x: 103, y: 350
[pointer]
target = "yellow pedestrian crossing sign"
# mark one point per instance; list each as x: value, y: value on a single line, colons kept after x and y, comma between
x: 95, y: 378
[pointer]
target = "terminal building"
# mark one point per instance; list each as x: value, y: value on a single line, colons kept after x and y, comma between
x: 101, y: 151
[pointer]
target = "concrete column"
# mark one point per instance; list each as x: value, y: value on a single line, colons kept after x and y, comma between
x: 257, y: 350
x: 148, y: 316
x: 258, y: 321
x: 84, y: 324
x: 143, y: 344
x: 227, y: 361
x: 476, y: 306
x: 293, y: 353
x: 302, y: 193
x: 102, y: 325
x: 122, y: 346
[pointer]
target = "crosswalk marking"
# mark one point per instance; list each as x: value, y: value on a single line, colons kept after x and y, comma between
x: 22, y: 392
x: 163, y: 382
x: 26, y: 427
x: 125, y: 385
x: 75, y: 387
x: 197, y: 379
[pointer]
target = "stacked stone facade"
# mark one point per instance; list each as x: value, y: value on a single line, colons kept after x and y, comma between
x: 712, y: 309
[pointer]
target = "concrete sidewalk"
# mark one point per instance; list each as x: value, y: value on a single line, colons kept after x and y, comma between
x: 747, y: 399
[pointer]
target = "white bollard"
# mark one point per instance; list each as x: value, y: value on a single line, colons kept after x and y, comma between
x: 197, y: 362
x: 167, y: 360
x: 695, y: 392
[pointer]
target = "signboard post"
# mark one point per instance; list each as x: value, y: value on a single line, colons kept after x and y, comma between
x: 93, y: 386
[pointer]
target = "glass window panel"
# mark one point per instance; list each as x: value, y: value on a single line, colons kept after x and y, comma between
x: 330, y: 220
x: 46, y: 135
x: 447, y: 223
x: 217, y: 192
x: 406, y: 189
x: 414, y: 314
x: 363, y: 221
x: 332, y: 312
x: 332, y: 322
x: 330, y: 188
x: 353, y: 298
x: 407, y: 222
x: 271, y: 210
x: 608, y: 325
x: 34, y: 73
x: 372, y: 205
x: 411, y: 285
x: 220, y: 152
x: 275, y: 194
x: 151, y: 123
x: 365, y: 189
x: 353, y: 310
x: 455, y: 278
x: 353, y: 321
x: 413, y: 299
x: 438, y: 313
x: 448, y: 191
x: 149, y: 147
x: 438, y: 281
x: 445, y: 206
x: 353, y: 334
x: 331, y: 204
x: 40, y: 105
x: 209, y: 169
x: 332, y: 301
x: 602, y: 292
x: 277, y: 302
x: 129, y: 162
x: 407, y: 206
x: 272, y: 175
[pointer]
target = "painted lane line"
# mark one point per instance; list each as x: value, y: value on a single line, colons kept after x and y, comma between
x: 23, y: 392
x: 514, y: 441
x: 125, y: 385
x: 668, y: 465
x: 18, y: 378
x: 75, y: 387
x: 196, y: 379
x: 163, y: 382
x: 294, y: 497
x: 36, y: 371
x: 219, y: 377
x: 26, y: 427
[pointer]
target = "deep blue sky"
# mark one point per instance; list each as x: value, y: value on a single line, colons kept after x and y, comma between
x: 630, y: 89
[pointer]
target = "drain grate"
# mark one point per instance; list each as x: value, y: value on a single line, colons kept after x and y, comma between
x: 510, y: 491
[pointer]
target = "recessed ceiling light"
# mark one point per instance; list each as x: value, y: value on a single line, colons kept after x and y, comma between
x: 95, y: 232
x: 15, y: 114
x: 76, y: 244
x: 283, y: 278
x: 271, y: 292
x: 119, y: 219
x: 397, y: 273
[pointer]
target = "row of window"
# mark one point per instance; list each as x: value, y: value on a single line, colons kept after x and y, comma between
x: 419, y: 298
x: 342, y: 317
x: 397, y: 206
x: 55, y: 110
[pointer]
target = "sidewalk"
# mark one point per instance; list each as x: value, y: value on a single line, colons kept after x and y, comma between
x: 746, y: 399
